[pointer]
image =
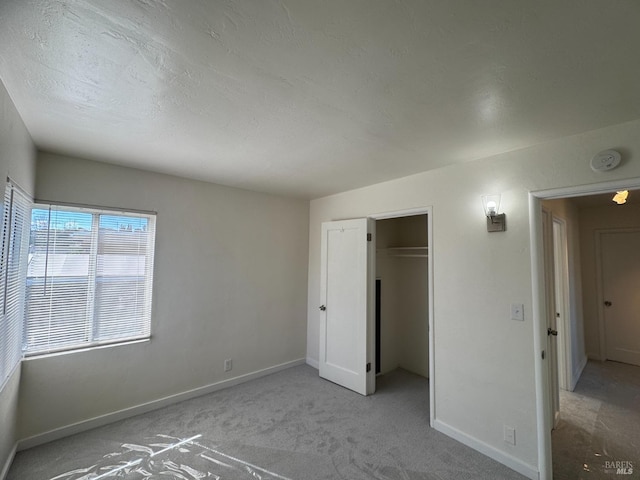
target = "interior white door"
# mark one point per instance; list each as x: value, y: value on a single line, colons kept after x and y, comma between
x: 620, y: 254
x: 561, y: 281
x: 346, y: 295
x: 552, y: 332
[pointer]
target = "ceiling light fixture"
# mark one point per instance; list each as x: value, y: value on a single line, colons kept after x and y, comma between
x: 621, y: 197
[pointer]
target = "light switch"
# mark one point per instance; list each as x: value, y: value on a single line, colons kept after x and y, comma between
x: 517, y: 312
x: 509, y: 435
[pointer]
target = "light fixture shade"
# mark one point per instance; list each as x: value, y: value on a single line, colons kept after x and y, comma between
x: 496, y: 221
x: 621, y: 197
x: 491, y: 204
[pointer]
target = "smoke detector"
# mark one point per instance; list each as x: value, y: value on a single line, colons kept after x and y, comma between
x: 605, y: 161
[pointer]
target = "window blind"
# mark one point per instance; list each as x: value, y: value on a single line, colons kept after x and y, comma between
x: 16, y: 209
x: 89, y: 281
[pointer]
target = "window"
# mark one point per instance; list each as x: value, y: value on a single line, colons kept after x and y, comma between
x: 13, y: 262
x: 89, y: 278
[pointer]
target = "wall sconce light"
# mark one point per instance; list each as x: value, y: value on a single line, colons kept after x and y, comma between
x: 496, y: 222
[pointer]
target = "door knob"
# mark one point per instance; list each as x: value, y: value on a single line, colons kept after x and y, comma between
x: 607, y: 303
x: 323, y: 308
x: 550, y: 331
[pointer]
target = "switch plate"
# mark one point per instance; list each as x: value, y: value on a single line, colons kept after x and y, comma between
x: 517, y: 312
x: 509, y: 435
x: 228, y: 365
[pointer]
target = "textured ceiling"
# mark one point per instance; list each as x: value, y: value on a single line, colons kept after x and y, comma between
x: 312, y: 97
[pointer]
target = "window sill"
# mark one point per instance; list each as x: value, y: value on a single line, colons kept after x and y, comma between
x: 37, y: 356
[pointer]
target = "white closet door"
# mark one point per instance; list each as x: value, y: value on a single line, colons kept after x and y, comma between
x: 346, y: 313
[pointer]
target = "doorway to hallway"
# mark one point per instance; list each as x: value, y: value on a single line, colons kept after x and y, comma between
x: 584, y: 335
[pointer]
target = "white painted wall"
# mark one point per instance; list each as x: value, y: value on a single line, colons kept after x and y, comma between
x: 484, y: 362
x: 592, y: 219
x: 229, y: 282
x: 17, y: 160
x: 567, y: 211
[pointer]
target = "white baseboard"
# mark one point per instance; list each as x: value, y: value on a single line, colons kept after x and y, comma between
x: 7, y: 463
x: 102, y: 420
x: 510, y: 461
x: 577, y: 374
x: 312, y: 362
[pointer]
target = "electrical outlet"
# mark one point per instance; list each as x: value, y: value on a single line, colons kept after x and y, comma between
x: 509, y: 435
x: 228, y: 365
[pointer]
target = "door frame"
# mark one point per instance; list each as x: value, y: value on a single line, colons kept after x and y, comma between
x: 428, y: 211
x: 563, y: 306
x: 602, y: 331
x: 543, y: 406
x: 548, y: 242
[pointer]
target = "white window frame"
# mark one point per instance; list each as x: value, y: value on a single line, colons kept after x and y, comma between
x: 91, y: 322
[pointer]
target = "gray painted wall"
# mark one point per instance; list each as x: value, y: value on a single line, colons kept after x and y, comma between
x: 17, y: 160
x: 229, y: 282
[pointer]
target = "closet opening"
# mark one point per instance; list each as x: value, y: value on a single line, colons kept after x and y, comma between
x: 402, y: 295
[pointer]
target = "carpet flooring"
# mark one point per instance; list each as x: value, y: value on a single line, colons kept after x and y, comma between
x: 286, y: 426
x: 599, y: 427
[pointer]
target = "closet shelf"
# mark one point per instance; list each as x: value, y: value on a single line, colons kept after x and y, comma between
x: 419, y: 252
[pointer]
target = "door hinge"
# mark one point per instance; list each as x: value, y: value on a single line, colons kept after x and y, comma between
x: 369, y: 237
x: 369, y: 367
